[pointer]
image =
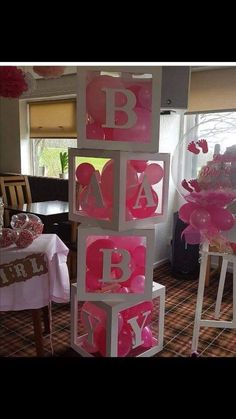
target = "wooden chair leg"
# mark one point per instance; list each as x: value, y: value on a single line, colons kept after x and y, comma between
x: 38, y: 335
x: 46, y: 320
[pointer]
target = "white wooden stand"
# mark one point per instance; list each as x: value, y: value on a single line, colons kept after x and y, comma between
x: 112, y: 309
x: 227, y: 258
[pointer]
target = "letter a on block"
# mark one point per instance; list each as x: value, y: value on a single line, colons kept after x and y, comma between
x: 111, y: 108
x: 123, y: 265
x: 94, y: 190
x: 145, y: 192
x: 138, y: 330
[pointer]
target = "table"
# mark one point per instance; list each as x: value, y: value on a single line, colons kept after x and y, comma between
x: 49, y: 211
x: 33, y: 277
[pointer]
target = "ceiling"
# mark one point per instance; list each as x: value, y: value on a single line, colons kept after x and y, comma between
x: 72, y: 70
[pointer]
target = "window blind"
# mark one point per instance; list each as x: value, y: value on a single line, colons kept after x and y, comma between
x: 212, y: 90
x: 53, y: 119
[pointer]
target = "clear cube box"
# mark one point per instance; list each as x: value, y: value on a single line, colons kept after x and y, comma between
x: 118, y: 108
x: 115, y: 329
x: 115, y: 265
x: 118, y: 190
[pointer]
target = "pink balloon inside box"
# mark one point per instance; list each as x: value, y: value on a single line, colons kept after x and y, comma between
x: 119, y: 109
x: 118, y: 190
x: 115, y: 266
x: 118, y: 329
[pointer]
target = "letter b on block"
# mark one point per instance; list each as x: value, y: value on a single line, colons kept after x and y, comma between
x: 114, y: 265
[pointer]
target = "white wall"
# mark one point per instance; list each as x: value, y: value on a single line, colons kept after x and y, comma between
x: 169, y: 138
x: 10, y: 159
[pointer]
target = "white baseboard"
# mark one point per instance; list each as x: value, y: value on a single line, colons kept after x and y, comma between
x: 160, y: 263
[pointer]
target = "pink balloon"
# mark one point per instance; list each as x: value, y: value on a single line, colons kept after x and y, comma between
x: 124, y: 344
x: 94, y: 255
x: 87, y: 203
x: 186, y: 211
x: 140, y: 132
x: 139, y: 255
x: 84, y: 172
x: 143, y: 211
x: 200, y: 219
x: 191, y: 235
x: 100, y: 339
x: 154, y: 173
x: 88, y: 347
x: 107, y: 180
x: 108, y: 133
x: 139, y: 310
x: 135, y: 88
x: 138, y: 284
x: 92, y: 282
x: 95, y: 131
x: 223, y: 219
x: 147, y: 337
x: 96, y: 97
x: 128, y: 242
x: 145, y: 96
x: 139, y: 165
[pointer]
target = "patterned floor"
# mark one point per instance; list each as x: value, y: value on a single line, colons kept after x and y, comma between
x: 17, y: 339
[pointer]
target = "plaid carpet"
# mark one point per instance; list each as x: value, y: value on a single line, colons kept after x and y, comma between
x: 17, y: 338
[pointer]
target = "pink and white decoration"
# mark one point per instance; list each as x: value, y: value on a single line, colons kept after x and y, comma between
x: 118, y: 127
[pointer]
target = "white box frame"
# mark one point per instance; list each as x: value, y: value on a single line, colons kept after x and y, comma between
x: 118, y: 221
x: 83, y: 295
x: 153, y: 145
x: 113, y: 308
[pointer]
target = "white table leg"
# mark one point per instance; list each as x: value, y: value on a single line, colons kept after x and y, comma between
x: 221, y: 288
x: 200, y: 294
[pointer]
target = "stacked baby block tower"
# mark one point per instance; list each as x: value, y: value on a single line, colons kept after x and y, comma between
x: 118, y: 191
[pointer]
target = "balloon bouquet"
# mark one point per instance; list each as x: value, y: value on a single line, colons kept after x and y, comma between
x: 209, y: 187
x: 25, y: 229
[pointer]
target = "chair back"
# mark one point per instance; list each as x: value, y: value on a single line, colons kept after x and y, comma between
x: 15, y: 190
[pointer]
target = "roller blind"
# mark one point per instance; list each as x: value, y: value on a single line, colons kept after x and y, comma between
x: 212, y: 90
x: 53, y: 119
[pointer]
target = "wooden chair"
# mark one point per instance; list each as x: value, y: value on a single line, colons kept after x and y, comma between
x: 15, y: 191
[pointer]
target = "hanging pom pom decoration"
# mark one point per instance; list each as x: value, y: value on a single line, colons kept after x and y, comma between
x: 49, y: 72
x: 12, y: 82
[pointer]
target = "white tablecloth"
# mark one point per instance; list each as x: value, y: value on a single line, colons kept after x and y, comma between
x: 51, y: 283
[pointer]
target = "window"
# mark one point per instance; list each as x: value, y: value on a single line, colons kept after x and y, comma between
x: 52, y: 130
